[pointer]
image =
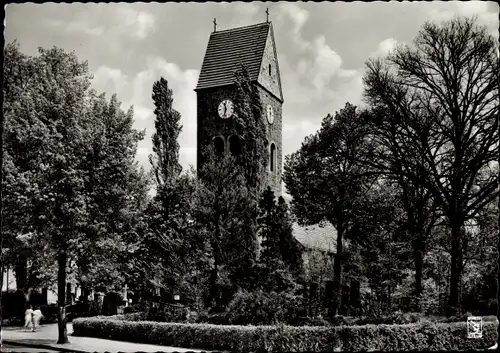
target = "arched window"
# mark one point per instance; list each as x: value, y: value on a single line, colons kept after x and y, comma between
x: 272, y: 158
x: 218, y: 145
x: 269, y: 69
x: 235, y: 145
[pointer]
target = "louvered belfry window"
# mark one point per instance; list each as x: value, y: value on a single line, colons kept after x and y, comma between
x: 235, y: 145
x: 219, y: 145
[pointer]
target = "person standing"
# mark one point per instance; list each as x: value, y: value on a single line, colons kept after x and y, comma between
x: 28, y: 317
x: 37, y: 316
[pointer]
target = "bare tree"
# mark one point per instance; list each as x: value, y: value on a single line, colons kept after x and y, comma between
x: 439, y: 103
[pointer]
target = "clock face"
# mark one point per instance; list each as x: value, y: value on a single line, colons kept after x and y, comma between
x: 270, y: 114
x: 226, y: 109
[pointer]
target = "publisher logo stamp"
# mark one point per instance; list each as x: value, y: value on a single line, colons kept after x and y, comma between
x: 474, y: 327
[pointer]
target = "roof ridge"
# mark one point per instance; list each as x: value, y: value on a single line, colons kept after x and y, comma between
x: 241, y: 28
x: 228, y: 48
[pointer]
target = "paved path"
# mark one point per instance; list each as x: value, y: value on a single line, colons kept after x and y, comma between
x: 46, y: 337
x: 8, y: 348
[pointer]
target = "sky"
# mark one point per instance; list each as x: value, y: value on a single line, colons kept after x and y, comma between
x: 322, y: 49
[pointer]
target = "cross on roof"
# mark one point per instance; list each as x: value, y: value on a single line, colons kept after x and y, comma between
x: 267, y: 14
x: 215, y: 25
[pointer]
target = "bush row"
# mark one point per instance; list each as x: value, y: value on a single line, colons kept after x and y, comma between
x: 280, y: 338
x: 398, y: 319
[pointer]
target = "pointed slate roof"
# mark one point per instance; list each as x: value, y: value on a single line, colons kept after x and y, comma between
x: 228, y: 49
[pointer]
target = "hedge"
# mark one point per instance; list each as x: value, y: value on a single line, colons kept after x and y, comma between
x: 399, y: 319
x: 421, y: 336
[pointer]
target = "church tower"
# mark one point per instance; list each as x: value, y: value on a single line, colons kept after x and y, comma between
x: 254, y: 47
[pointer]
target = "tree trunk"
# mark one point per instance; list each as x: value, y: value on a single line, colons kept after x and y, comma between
x: 69, y: 299
x: 21, y: 272
x: 61, y: 297
x: 5, y: 268
x: 345, y: 300
x: 389, y: 284
x: 456, y: 270
x: 214, y: 290
x: 337, y: 274
x: 418, y: 272
x: 313, y: 296
x: 45, y: 295
x: 355, y: 297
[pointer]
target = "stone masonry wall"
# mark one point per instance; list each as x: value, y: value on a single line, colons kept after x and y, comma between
x: 211, y: 125
x: 274, y: 135
x: 270, y: 81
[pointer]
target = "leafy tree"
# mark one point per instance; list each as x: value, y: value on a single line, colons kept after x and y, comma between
x: 63, y: 82
x: 19, y: 167
x: 291, y: 251
x: 267, y: 218
x: 279, y: 247
x: 168, y: 236
x: 327, y: 182
x: 222, y: 212
x: 440, y: 100
x: 165, y: 160
x: 117, y: 193
x: 381, y: 258
x: 481, y: 263
x: 264, y: 308
x: 74, y: 152
x: 133, y: 225
x: 46, y: 118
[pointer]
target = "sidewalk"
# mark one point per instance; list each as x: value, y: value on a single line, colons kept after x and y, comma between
x: 46, y: 337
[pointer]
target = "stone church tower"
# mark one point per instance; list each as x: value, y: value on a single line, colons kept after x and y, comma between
x: 254, y: 47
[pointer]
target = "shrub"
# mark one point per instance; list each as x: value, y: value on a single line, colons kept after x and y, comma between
x: 263, y: 308
x: 398, y: 318
x: 79, y: 309
x: 50, y: 313
x: 13, y: 305
x: 463, y: 318
x: 313, y: 321
x: 13, y: 321
x: 131, y: 309
x: 422, y: 336
x: 346, y: 320
x: 161, y: 312
x: 217, y: 319
x: 192, y: 316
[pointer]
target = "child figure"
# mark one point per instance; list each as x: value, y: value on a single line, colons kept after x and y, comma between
x: 28, y: 318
